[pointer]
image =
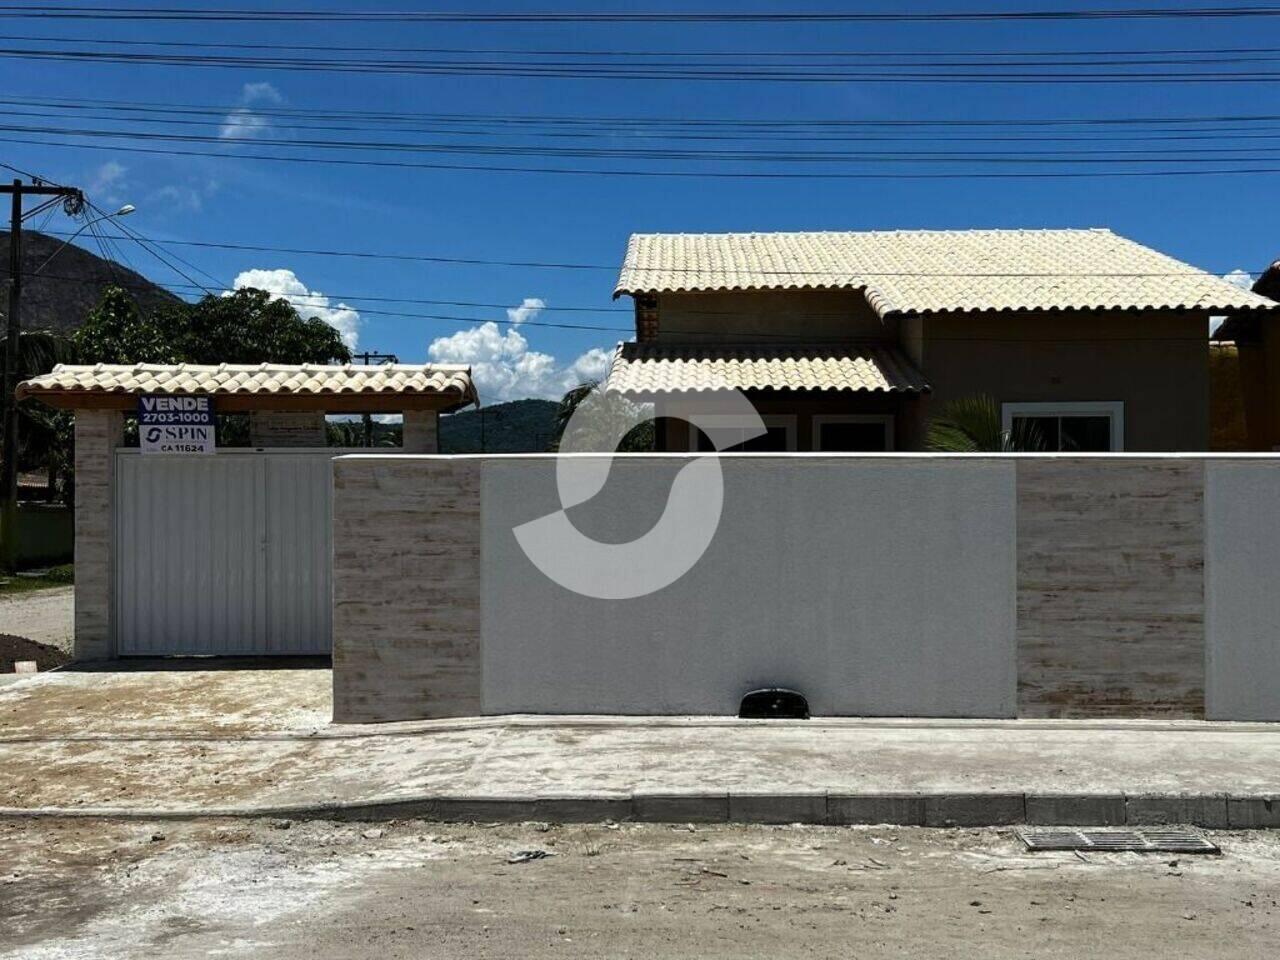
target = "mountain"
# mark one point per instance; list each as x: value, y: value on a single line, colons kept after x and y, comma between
x: 62, y: 293
x: 520, y: 426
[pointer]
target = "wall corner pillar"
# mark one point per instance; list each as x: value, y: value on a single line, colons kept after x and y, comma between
x: 421, y: 431
x: 97, y: 435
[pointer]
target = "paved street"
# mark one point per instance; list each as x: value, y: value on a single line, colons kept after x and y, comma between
x: 318, y: 890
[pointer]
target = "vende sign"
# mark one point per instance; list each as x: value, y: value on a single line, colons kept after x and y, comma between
x: 176, y: 424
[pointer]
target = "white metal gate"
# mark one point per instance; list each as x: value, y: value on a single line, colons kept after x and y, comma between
x: 223, y: 554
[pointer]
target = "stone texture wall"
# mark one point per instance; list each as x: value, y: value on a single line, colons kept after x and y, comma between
x: 286, y: 428
x: 421, y: 431
x: 1110, y: 587
x: 406, y: 588
x: 97, y: 434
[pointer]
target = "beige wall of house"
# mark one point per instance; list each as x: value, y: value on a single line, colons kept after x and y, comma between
x: 1156, y: 363
x: 764, y: 315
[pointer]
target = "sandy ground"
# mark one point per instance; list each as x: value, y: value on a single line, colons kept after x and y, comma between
x: 204, y: 741
x: 415, y: 889
x: 45, y: 616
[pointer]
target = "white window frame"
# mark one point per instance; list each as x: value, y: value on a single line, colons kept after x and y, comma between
x: 1081, y: 408
x: 786, y: 421
x: 820, y: 419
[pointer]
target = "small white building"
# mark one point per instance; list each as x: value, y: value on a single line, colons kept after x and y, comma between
x: 230, y: 552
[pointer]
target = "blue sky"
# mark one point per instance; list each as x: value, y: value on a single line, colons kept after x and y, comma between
x: 1220, y: 223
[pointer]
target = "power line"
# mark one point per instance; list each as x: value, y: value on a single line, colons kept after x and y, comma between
x: 1099, y: 72
x: 614, y: 267
x: 299, y: 15
x: 252, y: 122
x: 772, y: 53
x: 1003, y: 157
x: 594, y: 121
x: 719, y: 332
x: 672, y: 174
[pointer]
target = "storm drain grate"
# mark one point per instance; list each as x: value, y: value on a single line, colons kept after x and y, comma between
x: 1142, y: 841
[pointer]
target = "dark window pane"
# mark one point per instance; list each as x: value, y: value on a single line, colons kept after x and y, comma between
x: 1086, y: 434
x: 852, y: 437
x: 774, y: 441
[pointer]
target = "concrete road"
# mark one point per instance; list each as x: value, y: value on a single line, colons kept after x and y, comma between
x: 317, y: 890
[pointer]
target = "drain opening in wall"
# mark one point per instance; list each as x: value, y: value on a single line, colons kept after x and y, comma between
x: 774, y: 703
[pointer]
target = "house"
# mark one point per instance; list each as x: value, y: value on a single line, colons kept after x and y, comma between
x: 1253, y: 346
x: 849, y: 341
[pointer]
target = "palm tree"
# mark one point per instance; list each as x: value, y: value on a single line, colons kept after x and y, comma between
x: 972, y: 425
x: 607, y: 409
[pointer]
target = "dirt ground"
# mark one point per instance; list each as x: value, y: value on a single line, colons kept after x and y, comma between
x: 45, y: 616
x: 13, y: 649
x: 320, y: 890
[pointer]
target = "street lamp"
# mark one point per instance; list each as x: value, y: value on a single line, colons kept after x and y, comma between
x: 124, y: 211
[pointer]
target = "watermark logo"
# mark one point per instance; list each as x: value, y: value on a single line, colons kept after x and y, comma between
x: 673, y: 545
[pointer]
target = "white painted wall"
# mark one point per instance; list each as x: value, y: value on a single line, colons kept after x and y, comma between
x: 876, y: 587
x: 1242, y: 589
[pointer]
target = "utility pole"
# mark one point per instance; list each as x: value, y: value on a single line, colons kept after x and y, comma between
x: 367, y: 358
x: 73, y: 202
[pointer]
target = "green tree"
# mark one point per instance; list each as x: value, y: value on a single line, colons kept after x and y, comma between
x: 247, y: 326
x: 116, y: 331
x: 42, y: 432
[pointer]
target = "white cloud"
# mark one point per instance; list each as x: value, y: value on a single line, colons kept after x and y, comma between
x: 262, y: 92
x: 503, y: 366
x: 243, y: 123
x: 529, y: 309
x: 285, y: 284
x: 180, y: 197
x: 1237, y: 278
x: 108, y: 182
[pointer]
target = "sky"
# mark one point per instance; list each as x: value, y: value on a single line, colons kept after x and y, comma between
x: 1221, y: 223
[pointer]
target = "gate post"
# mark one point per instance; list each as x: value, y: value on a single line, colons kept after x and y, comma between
x: 97, y: 434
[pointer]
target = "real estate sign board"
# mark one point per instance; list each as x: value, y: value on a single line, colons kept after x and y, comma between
x: 169, y: 424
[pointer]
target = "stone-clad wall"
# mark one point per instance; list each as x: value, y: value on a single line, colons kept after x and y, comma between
x: 286, y: 428
x: 406, y: 588
x: 97, y: 434
x: 421, y: 431
x: 1110, y: 587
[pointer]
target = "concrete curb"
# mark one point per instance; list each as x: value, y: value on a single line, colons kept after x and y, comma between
x: 956, y: 809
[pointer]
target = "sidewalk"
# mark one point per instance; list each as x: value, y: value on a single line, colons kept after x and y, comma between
x: 182, y: 745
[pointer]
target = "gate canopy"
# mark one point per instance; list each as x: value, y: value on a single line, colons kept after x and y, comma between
x: 267, y: 386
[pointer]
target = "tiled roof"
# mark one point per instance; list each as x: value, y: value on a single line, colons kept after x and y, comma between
x: 266, y: 379
x: 935, y: 271
x: 651, y: 368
